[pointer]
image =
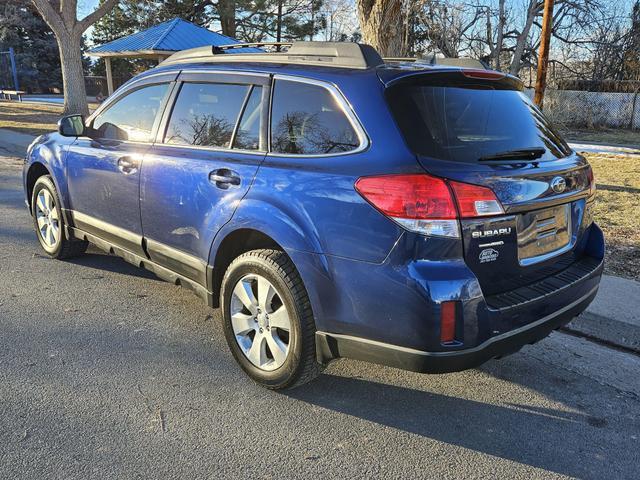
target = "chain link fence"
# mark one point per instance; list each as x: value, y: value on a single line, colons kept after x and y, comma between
x: 97, y: 85
x: 574, y: 102
x: 593, y: 110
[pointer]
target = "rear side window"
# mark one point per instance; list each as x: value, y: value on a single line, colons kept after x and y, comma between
x: 205, y: 114
x: 307, y: 119
x: 132, y: 117
x: 248, y: 133
x: 469, y: 120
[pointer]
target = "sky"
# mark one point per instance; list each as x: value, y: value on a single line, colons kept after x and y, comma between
x: 87, y: 6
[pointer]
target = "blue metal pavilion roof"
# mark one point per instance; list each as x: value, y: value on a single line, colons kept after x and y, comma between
x: 167, y: 37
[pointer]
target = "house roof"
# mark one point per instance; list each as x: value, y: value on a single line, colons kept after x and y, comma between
x: 164, y: 38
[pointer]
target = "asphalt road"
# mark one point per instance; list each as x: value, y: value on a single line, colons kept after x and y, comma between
x: 107, y: 372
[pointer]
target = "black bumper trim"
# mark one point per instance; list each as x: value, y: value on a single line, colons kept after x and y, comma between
x: 330, y: 346
x: 553, y: 284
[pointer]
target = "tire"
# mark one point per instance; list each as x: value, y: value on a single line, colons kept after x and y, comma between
x: 247, y: 274
x: 50, y: 228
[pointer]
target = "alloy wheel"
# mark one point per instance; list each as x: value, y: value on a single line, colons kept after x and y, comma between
x: 260, y: 322
x: 48, y: 219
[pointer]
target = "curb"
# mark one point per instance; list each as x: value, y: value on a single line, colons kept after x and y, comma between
x: 608, y: 331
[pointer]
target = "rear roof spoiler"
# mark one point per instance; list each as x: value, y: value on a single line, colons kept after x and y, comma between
x: 464, y: 62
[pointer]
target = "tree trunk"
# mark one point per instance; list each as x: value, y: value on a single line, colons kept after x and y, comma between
x: 279, y: 23
x: 227, y: 12
x: 75, y: 93
x: 502, y: 20
x: 521, y: 41
x: 61, y: 16
x: 383, y: 26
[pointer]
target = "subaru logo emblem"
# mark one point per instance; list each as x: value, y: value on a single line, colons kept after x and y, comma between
x: 558, y: 184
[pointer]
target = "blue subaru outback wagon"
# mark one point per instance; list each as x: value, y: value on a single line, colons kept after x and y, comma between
x: 423, y: 215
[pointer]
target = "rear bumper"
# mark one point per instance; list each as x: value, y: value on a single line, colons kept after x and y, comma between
x: 331, y: 346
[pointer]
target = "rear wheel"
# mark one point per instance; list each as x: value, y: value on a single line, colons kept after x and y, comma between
x: 49, y: 222
x: 268, y: 321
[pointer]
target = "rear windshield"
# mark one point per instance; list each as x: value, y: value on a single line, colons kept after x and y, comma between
x: 466, y: 120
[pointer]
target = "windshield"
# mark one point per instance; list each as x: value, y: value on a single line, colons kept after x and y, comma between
x: 471, y: 120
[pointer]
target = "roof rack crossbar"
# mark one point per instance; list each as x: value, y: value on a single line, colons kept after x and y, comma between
x: 234, y: 46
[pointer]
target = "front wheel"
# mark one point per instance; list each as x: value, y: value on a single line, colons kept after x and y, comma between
x: 49, y: 222
x: 268, y: 322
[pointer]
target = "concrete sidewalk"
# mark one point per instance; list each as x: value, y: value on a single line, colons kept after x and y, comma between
x: 613, y: 317
x: 14, y: 144
x: 595, y: 147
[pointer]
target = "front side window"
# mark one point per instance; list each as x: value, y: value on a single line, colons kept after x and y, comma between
x: 205, y: 114
x: 307, y: 119
x: 132, y: 117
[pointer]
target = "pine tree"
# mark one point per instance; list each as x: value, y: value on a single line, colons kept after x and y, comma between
x: 37, y: 57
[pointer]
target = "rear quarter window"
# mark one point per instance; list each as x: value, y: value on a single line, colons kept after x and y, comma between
x: 307, y: 119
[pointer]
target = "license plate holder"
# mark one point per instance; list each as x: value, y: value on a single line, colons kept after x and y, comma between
x: 543, y: 234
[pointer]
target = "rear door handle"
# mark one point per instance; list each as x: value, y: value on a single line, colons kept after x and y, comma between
x: 224, y: 178
x: 128, y: 165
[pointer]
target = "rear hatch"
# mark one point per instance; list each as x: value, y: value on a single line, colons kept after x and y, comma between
x: 478, y: 127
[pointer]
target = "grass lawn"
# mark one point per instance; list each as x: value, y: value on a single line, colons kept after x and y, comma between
x: 31, y: 118
x: 616, y: 136
x: 617, y: 211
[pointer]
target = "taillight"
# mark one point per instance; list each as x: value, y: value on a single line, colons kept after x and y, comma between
x: 419, y: 203
x: 475, y: 201
x: 425, y: 204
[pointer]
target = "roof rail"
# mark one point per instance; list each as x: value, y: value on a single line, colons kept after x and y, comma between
x: 330, y: 54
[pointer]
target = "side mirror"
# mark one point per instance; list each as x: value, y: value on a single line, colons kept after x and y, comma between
x: 71, y: 126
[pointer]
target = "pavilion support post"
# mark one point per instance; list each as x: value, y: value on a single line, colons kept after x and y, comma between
x: 107, y: 64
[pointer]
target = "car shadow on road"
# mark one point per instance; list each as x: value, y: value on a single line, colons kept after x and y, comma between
x: 527, y: 434
x: 98, y: 260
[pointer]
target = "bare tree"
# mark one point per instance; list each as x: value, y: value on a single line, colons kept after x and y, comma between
x: 446, y: 27
x: 383, y: 25
x: 341, y: 23
x: 61, y: 16
x: 495, y: 47
x: 522, y: 37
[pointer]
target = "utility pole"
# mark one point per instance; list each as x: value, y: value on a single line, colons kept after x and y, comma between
x: 543, y: 58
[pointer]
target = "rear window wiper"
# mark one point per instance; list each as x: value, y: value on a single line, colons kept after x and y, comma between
x: 521, y: 154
